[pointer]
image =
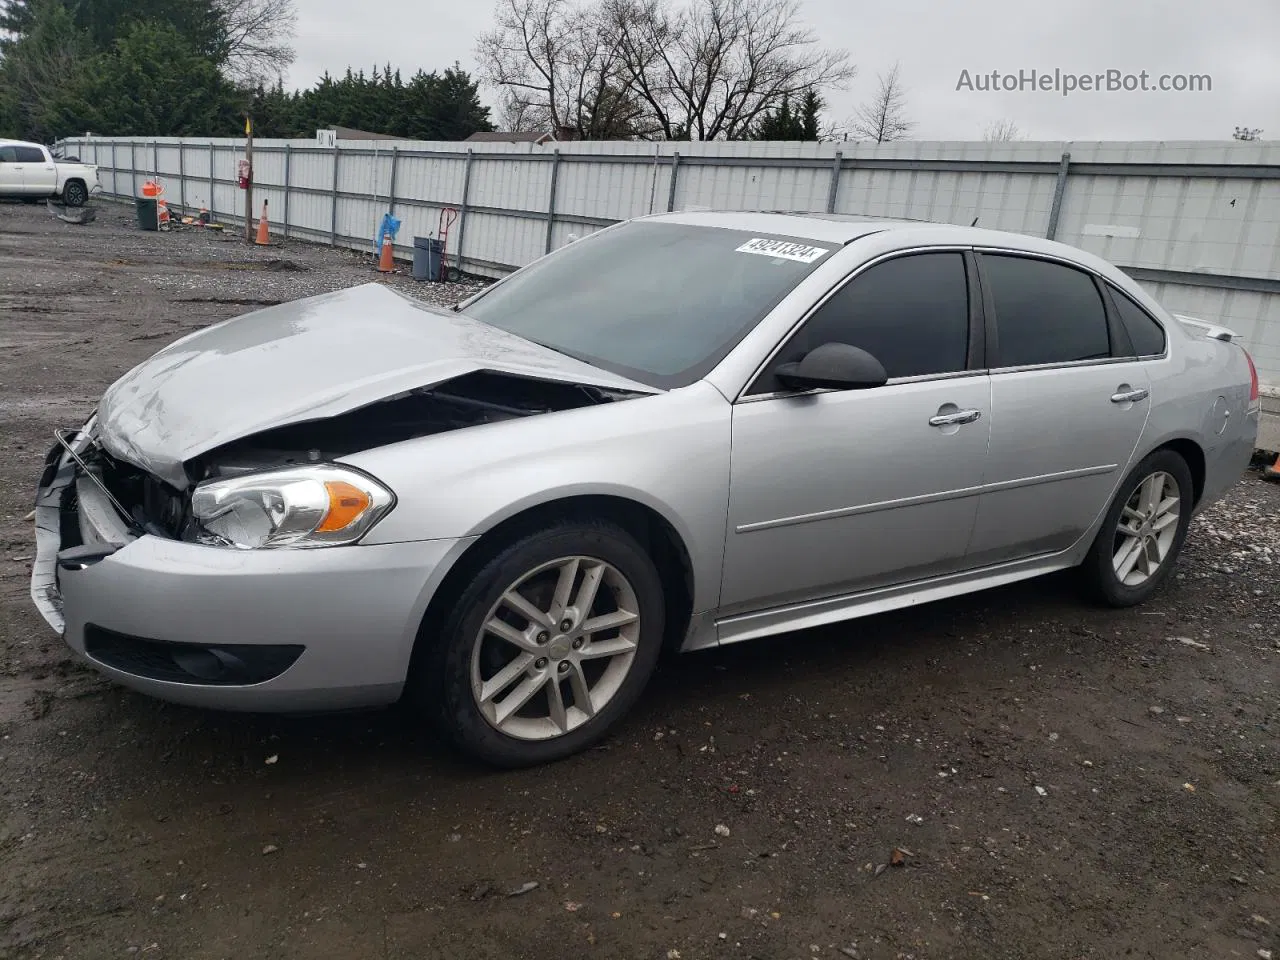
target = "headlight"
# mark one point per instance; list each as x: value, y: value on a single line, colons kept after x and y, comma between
x: 317, y: 505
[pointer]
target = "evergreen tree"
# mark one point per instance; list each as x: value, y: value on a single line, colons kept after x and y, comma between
x: 154, y: 68
x: 787, y: 122
x: 152, y: 83
x: 37, y: 66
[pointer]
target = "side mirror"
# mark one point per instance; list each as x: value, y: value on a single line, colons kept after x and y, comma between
x: 836, y: 366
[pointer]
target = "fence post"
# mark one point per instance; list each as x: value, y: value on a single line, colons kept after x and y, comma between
x: 671, y: 192
x: 133, y: 170
x: 391, y: 188
x: 212, y: 216
x: 466, y: 196
x: 1059, y: 191
x: 115, y: 174
x: 835, y: 182
x: 551, y: 200
x: 182, y: 176
x: 288, y: 156
x: 333, y: 204
x: 155, y: 160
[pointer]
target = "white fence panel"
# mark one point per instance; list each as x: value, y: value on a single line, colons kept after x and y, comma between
x: 1199, y: 223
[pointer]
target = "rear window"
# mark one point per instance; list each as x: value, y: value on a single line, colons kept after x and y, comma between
x: 30, y: 154
x: 661, y: 303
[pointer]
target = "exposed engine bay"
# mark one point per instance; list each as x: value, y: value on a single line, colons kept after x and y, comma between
x: 155, y: 507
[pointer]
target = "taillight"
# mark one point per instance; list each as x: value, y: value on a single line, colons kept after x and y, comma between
x: 1254, y: 393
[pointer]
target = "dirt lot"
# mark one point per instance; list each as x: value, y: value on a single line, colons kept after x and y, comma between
x: 1064, y: 781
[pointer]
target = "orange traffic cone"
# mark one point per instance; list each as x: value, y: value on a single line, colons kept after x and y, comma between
x: 386, y: 262
x: 264, y: 237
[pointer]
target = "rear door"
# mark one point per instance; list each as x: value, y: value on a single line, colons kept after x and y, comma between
x: 39, y: 175
x: 1068, y: 404
x: 10, y: 171
x: 836, y: 492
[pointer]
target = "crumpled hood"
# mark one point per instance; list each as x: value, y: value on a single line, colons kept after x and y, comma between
x: 306, y: 360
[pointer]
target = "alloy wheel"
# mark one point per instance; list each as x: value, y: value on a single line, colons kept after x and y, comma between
x: 555, y: 648
x: 1147, y: 529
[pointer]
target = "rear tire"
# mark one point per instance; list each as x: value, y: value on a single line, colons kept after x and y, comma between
x: 75, y: 194
x: 574, y: 688
x: 1142, y: 533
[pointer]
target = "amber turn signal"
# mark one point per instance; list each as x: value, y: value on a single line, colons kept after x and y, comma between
x: 346, y: 503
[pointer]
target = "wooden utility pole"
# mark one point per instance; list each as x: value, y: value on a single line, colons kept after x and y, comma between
x: 248, y: 189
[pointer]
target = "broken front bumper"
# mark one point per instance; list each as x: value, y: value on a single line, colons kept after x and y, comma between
x: 260, y: 630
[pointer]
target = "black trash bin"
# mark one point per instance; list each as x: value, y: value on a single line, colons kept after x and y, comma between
x: 148, y: 217
x: 428, y: 254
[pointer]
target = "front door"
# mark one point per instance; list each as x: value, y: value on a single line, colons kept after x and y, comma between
x: 1068, y: 405
x: 840, y: 491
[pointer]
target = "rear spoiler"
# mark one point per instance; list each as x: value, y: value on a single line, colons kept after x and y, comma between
x: 1204, y: 328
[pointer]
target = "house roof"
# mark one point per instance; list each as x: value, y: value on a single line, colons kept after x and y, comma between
x: 516, y: 136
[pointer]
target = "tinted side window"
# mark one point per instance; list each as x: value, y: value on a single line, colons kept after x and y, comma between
x: 1146, y: 334
x: 8, y: 155
x: 1045, y: 312
x: 910, y: 313
x: 30, y: 155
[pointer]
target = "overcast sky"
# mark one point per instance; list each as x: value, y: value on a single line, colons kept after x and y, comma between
x: 1235, y: 42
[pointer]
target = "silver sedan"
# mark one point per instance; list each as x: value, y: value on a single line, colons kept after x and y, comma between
x: 685, y: 431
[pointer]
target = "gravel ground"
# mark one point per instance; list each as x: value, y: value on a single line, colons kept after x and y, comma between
x: 1012, y: 774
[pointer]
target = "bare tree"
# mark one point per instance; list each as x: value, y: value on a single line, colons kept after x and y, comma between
x: 256, y: 38
x: 883, y: 118
x: 651, y: 69
x: 711, y: 69
x: 513, y: 114
x: 1247, y: 133
x: 559, y: 66
x: 1003, y: 131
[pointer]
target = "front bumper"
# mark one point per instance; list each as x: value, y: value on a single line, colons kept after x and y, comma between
x: 354, y: 611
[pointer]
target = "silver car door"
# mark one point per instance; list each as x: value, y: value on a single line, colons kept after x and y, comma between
x: 1068, y: 405
x: 839, y: 491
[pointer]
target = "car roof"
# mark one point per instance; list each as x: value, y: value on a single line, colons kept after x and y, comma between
x: 5, y: 142
x: 845, y: 228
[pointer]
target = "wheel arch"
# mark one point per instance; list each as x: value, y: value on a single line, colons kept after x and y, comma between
x: 1193, y: 455
x: 653, y: 530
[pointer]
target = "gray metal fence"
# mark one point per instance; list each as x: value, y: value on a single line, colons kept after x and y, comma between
x: 1198, y: 223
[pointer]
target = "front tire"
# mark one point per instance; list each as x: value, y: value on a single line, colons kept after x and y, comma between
x: 548, y: 645
x: 1142, y: 534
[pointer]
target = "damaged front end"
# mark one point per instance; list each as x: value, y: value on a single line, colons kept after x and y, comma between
x: 468, y: 401
x: 283, y: 486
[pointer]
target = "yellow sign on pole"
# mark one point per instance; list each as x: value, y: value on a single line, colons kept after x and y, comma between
x: 248, y: 127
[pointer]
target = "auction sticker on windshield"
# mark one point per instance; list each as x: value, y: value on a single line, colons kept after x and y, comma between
x: 799, y: 252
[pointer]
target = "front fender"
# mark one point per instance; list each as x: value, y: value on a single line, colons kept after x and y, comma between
x: 668, y: 452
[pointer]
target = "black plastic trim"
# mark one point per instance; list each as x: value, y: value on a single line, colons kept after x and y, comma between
x: 221, y: 665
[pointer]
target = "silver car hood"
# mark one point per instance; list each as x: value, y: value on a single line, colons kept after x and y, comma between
x: 307, y: 360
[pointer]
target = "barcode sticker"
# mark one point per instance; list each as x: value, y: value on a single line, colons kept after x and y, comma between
x: 799, y: 252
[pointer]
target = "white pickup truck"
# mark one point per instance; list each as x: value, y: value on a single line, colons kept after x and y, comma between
x: 29, y: 171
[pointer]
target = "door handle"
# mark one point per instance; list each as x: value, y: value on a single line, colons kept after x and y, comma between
x: 1130, y: 396
x: 954, y: 419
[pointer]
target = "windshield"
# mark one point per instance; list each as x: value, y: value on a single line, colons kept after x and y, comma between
x: 661, y: 303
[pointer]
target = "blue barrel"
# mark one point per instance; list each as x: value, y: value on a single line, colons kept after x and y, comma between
x: 428, y: 256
